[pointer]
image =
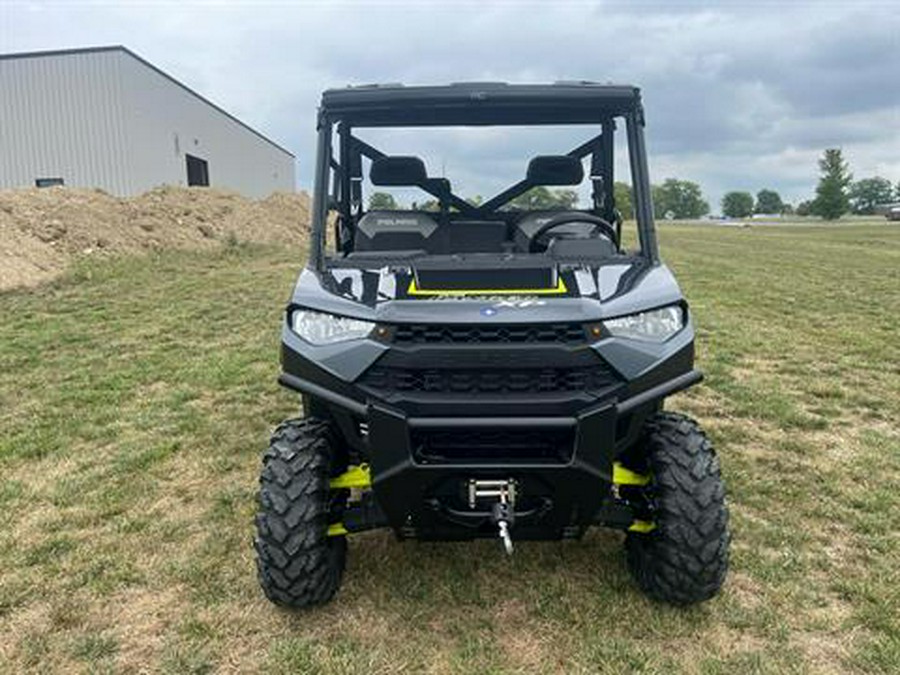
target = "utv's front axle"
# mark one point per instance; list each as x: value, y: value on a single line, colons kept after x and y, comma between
x: 493, y: 500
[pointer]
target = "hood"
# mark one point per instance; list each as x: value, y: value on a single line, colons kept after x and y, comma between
x: 450, y: 294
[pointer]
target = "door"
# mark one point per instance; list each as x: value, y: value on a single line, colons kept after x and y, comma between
x: 197, y: 171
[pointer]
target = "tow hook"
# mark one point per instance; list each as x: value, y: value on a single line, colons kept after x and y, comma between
x: 503, y: 513
x: 503, y: 516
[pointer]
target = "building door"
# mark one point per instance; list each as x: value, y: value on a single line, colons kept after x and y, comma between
x: 197, y: 171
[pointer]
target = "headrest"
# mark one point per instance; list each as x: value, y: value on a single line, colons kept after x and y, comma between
x: 555, y: 170
x: 398, y: 171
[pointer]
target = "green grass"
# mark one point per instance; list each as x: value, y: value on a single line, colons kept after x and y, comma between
x: 136, y: 396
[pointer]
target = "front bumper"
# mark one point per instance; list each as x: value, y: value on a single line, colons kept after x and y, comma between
x: 424, y: 498
x: 422, y: 495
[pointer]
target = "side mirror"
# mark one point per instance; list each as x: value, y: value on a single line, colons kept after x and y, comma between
x: 555, y: 170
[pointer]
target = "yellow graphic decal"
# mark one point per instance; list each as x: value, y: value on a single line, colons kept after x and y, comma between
x: 559, y: 289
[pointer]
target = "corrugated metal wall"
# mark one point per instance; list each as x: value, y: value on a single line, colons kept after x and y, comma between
x: 106, y: 119
x: 166, y: 121
x: 62, y: 116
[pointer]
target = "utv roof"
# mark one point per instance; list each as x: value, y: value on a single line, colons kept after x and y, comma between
x: 479, y: 103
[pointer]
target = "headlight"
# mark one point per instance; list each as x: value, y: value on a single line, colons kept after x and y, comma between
x: 319, y: 328
x: 657, y: 325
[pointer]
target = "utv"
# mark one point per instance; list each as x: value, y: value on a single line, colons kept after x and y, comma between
x: 479, y: 370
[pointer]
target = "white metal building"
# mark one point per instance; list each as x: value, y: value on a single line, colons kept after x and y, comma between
x: 104, y: 117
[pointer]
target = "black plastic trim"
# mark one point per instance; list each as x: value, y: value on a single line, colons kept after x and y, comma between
x: 623, y: 407
x: 307, y: 387
x: 659, y: 391
x: 481, y: 422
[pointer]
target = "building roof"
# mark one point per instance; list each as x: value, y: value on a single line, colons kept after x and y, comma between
x: 480, y: 103
x: 125, y: 50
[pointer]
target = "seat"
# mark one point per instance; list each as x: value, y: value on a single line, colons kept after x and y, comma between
x: 529, y: 224
x: 475, y: 236
x: 578, y: 246
x: 397, y: 231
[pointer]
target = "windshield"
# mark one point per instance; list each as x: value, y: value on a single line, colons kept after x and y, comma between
x: 431, y: 192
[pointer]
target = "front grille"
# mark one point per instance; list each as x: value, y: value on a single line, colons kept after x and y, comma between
x: 491, y: 445
x: 488, y: 380
x: 559, y: 333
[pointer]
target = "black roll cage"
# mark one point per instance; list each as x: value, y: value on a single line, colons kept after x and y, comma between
x: 338, y: 183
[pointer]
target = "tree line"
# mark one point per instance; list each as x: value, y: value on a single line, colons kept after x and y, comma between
x: 536, y: 199
x: 836, y: 194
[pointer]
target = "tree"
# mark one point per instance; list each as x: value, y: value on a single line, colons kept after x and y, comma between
x: 622, y: 195
x: 831, y: 200
x: 867, y: 193
x: 678, y: 199
x: 541, y: 198
x: 769, y: 201
x: 804, y: 208
x: 428, y: 205
x: 382, y: 201
x: 737, y: 204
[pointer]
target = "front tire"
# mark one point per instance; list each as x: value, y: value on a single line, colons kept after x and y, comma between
x: 298, y: 564
x: 684, y: 560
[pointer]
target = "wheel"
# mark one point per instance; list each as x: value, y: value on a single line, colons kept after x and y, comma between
x: 299, y: 565
x: 684, y: 560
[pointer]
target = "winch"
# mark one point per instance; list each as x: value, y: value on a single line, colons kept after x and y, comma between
x: 503, y: 510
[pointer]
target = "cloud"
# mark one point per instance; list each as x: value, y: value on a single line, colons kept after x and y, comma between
x: 738, y: 95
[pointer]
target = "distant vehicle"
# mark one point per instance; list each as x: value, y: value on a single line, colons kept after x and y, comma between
x: 889, y: 211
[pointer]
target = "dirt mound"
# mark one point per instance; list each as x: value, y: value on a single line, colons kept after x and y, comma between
x: 42, y: 231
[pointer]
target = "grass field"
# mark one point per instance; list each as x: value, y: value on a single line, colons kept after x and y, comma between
x: 137, y: 395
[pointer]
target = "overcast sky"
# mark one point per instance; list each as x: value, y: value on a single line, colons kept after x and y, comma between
x: 739, y: 95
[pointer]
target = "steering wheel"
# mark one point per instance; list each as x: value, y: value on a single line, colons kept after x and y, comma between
x: 599, y: 226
